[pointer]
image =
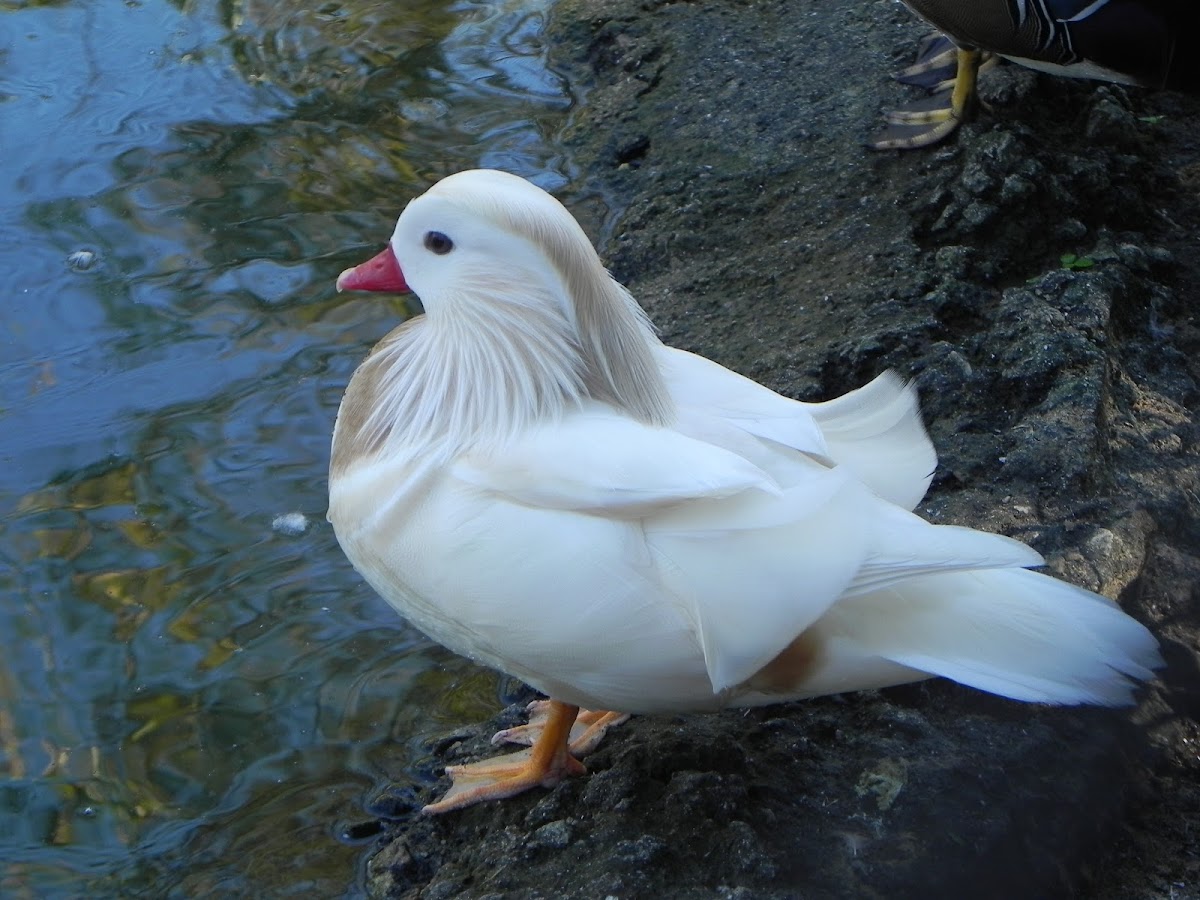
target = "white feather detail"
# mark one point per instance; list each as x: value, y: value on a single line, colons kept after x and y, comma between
x: 875, y: 431
x: 601, y: 462
x: 475, y: 379
x: 701, y: 384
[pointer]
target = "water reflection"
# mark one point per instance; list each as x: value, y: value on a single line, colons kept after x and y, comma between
x: 184, y: 689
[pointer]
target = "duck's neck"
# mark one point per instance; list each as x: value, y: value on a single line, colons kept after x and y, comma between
x: 617, y: 347
x: 442, y: 384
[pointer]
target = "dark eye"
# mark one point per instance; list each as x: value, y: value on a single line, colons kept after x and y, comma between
x: 436, y: 242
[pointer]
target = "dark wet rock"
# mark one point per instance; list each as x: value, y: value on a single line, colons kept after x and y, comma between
x: 749, y: 220
x: 552, y: 836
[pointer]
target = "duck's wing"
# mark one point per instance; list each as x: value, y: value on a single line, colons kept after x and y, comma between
x: 600, y: 462
x: 749, y: 564
x: 874, y: 431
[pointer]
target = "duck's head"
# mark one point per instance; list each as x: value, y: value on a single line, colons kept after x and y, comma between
x: 486, y: 251
x: 482, y: 233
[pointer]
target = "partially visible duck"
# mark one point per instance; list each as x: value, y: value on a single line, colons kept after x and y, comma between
x: 532, y: 478
x: 1141, y: 42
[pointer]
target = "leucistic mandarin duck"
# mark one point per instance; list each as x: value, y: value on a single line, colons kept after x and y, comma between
x: 534, y: 480
x: 1140, y: 42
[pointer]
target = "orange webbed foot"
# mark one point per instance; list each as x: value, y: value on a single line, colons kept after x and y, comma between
x: 586, y: 733
x: 556, y: 740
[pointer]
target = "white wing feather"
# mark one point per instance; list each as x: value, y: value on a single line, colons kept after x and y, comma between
x: 875, y: 431
x: 600, y: 462
x: 699, y: 383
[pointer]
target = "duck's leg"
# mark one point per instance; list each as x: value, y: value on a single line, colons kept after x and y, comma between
x: 545, y: 764
x: 587, y: 732
x: 934, y: 118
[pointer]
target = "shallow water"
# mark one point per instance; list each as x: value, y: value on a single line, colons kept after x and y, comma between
x: 196, y: 699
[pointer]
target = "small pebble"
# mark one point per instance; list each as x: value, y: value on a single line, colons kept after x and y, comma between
x: 553, y: 835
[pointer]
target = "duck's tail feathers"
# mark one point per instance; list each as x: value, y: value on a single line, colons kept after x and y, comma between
x: 1015, y: 633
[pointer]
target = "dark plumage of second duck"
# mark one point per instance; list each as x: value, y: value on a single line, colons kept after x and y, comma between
x: 1126, y: 41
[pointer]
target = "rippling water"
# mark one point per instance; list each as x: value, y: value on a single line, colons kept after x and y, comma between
x: 196, y: 699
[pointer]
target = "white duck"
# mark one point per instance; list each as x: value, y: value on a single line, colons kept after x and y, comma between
x: 533, y: 479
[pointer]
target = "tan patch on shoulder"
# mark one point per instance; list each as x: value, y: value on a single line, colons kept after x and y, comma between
x: 794, y: 664
x: 350, y: 440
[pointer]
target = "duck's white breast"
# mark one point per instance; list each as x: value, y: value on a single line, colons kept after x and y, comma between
x: 568, y: 602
